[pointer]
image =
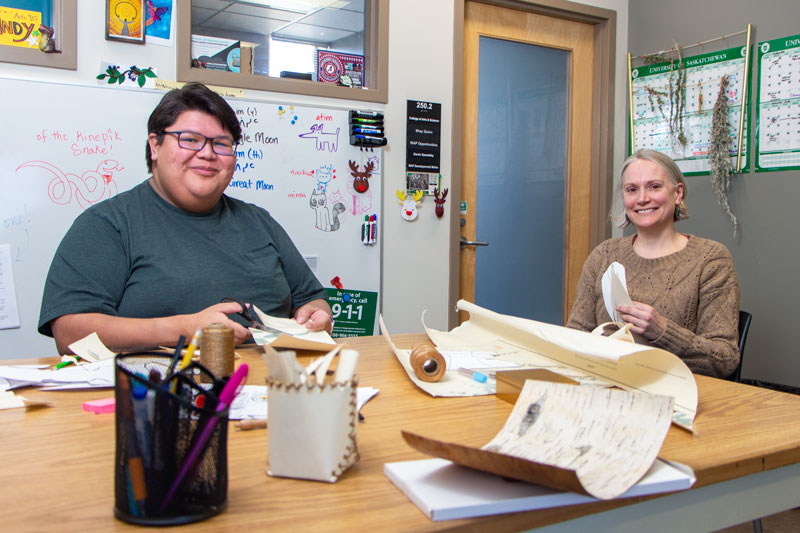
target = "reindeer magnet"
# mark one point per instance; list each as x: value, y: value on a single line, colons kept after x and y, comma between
x: 360, y: 183
x: 410, y: 202
x: 439, y: 201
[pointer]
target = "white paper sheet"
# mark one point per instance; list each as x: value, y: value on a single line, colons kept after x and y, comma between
x: 91, y: 348
x: 85, y: 376
x: 251, y: 402
x: 446, y: 491
x: 615, y: 290
x: 9, y: 311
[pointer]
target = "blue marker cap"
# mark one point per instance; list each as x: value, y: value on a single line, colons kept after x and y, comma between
x: 477, y: 376
x: 139, y: 389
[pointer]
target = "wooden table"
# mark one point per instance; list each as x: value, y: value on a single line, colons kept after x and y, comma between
x: 56, y: 464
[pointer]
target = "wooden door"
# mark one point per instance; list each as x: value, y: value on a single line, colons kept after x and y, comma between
x: 576, y: 38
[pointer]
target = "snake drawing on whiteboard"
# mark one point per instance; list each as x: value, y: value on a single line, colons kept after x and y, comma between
x: 87, y: 189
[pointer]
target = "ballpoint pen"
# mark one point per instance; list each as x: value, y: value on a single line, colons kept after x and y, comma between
x: 195, y: 454
x: 137, y: 485
x: 175, y: 357
x: 480, y: 377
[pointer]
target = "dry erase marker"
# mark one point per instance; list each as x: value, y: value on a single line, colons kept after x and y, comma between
x: 367, y: 114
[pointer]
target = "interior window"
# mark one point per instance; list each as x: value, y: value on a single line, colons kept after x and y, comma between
x: 306, y: 43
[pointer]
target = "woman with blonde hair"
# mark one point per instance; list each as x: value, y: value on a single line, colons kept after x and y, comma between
x: 684, y: 289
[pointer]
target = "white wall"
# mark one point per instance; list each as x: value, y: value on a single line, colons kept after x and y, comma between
x: 416, y: 254
x: 620, y: 86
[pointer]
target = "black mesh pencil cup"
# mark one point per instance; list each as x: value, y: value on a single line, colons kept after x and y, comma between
x: 171, y: 461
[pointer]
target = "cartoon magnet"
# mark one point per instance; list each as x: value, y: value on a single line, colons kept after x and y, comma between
x: 410, y: 202
x: 360, y: 183
x: 439, y: 201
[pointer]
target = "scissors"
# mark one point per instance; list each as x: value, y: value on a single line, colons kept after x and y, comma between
x: 253, y: 320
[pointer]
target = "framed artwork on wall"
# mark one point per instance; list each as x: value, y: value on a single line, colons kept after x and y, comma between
x: 125, y: 21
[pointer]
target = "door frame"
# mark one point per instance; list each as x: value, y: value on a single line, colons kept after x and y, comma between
x: 604, y: 22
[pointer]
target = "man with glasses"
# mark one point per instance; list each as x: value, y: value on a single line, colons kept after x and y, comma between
x: 153, y: 263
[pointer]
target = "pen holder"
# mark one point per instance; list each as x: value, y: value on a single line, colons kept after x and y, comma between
x: 313, y: 429
x: 158, y: 424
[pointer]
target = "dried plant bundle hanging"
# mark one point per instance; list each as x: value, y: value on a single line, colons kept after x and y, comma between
x: 675, y: 92
x: 678, y: 98
x: 719, y: 153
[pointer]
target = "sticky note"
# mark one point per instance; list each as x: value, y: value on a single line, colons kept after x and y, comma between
x: 106, y: 405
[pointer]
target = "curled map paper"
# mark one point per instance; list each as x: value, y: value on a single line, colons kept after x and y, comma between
x: 578, y: 355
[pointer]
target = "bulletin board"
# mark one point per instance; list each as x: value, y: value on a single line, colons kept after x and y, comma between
x: 66, y: 147
x: 703, y: 73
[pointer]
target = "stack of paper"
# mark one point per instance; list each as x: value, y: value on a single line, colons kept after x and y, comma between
x: 446, y: 491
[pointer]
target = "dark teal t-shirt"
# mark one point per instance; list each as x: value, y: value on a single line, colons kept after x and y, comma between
x: 135, y: 255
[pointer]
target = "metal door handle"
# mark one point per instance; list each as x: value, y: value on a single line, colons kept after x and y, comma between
x: 464, y: 242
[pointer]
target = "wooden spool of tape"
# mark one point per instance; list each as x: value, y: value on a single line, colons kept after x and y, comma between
x: 428, y: 363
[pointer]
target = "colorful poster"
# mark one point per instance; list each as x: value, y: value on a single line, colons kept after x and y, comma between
x: 19, y: 27
x: 159, y: 21
x: 216, y: 53
x: 125, y: 21
x: 778, y: 113
x: 652, y: 107
x: 353, y: 312
x: 339, y: 68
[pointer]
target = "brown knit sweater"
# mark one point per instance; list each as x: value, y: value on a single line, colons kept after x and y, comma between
x: 696, y: 290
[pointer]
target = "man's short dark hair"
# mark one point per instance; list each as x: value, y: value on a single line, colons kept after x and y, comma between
x: 190, y: 97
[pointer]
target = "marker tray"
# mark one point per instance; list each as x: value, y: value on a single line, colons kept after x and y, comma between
x: 158, y: 422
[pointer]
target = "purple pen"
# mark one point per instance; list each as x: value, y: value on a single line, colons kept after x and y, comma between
x: 225, y: 399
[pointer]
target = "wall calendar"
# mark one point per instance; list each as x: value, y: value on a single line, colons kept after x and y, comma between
x: 778, y: 112
x: 652, y: 107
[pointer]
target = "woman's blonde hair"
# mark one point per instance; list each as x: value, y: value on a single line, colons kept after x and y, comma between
x: 618, y: 215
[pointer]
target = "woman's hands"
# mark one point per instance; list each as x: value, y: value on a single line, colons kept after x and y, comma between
x: 316, y: 315
x: 644, y: 320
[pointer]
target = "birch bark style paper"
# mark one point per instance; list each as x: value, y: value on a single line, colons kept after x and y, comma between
x: 609, y: 437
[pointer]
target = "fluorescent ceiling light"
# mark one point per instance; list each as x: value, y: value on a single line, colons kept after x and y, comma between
x: 299, y: 6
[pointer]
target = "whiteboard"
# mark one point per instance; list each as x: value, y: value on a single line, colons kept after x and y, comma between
x: 66, y: 147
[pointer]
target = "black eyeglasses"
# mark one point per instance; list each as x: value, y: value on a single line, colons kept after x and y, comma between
x: 196, y: 141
